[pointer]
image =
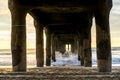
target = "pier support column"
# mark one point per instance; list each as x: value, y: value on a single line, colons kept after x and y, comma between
x: 86, y: 33
x: 18, y: 39
x: 72, y: 50
x: 53, y: 48
x: 81, y: 51
x: 76, y: 45
x: 87, y: 50
x: 61, y: 47
x: 39, y: 44
x: 79, y: 54
x: 48, y: 47
x: 73, y: 47
x: 57, y: 44
x: 103, y: 40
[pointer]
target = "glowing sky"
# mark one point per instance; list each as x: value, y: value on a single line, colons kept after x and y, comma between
x: 5, y: 27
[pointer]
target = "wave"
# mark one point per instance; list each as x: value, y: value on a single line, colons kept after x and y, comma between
x: 69, y: 60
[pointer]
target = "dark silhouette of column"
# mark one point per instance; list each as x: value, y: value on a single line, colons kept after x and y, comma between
x: 48, y: 47
x: 73, y: 46
x: 39, y: 44
x: 18, y: 38
x: 53, y: 41
x: 81, y: 51
x: 87, y: 50
x: 79, y: 54
x: 103, y: 38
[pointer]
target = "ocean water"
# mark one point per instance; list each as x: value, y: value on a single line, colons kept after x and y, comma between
x: 61, y: 60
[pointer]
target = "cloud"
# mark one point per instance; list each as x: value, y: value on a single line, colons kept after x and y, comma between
x: 4, y: 11
x: 3, y: 4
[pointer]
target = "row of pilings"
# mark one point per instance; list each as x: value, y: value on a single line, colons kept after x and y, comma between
x: 43, y: 17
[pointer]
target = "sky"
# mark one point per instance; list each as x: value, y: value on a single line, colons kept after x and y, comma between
x: 5, y: 27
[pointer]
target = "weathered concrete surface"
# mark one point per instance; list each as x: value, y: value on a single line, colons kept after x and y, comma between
x: 61, y: 73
